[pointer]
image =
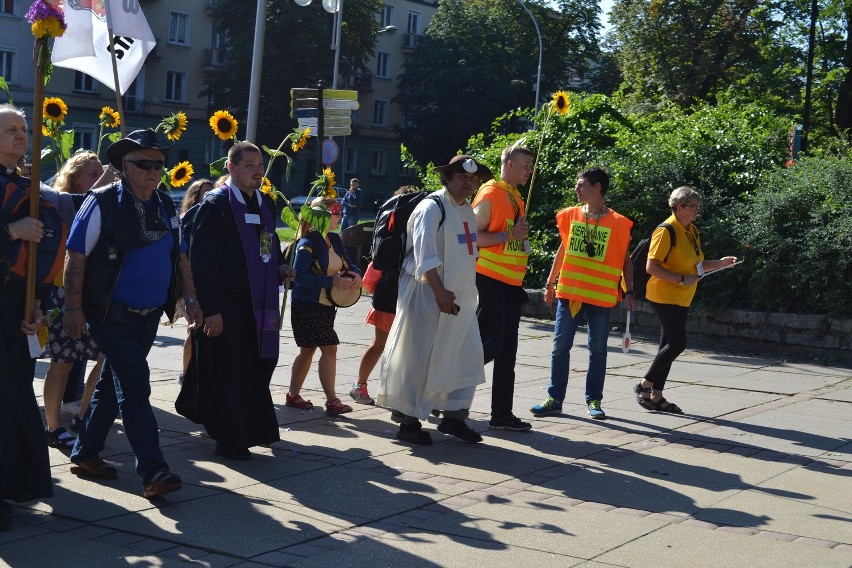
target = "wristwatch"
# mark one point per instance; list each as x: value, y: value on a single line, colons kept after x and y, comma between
x: 190, y: 301
x: 682, y: 280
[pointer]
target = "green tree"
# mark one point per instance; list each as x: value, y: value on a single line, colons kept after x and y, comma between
x: 479, y: 60
x: 296, y: 54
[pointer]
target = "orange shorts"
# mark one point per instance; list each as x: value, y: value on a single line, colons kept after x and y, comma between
x: 382, y: 320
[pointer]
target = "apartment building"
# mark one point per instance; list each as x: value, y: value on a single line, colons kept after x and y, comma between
x: 172, y: 79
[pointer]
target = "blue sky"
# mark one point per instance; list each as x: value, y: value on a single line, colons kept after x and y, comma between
x: 606, y: 5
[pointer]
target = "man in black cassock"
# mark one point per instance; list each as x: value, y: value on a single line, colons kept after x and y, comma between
x: 234, y: 252
x: 24, y: 463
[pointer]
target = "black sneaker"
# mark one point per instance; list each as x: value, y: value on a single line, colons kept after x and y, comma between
x: 459, y: 428
x: 414, y: 434
x: 512, y: 423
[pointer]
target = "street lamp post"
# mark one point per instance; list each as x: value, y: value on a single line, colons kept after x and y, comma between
x: 538, y: 32
x: 257, y: 59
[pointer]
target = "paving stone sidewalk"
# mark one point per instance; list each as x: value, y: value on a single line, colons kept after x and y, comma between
x: 756, y: 473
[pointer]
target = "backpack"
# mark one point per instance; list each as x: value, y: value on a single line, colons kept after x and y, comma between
x: 390, y: 233
x: 50, y: 251
x: 390, y: 236
x: 639, y: 259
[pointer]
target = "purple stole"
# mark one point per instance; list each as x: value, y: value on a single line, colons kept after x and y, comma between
x: 263, y: 276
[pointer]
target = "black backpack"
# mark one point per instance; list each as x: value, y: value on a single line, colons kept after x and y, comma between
x: 390, y: 236
x: 639, y: 259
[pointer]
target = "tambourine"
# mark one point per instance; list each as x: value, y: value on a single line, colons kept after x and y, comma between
x: 343, y: 297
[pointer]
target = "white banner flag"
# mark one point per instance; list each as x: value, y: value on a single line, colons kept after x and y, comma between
x: 85, y: 46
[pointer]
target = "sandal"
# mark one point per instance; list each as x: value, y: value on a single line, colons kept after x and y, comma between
x: 640, y: 391
x: 298, y: 402
x: 95, y: 467
x: 60, y: 439
x: 663, y: 405
x: 334, y: 407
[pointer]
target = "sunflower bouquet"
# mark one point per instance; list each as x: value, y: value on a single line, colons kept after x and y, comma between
x: 46, y: 20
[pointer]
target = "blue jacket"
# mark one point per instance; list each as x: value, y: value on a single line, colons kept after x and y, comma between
x: 308, y: 284
x: 351, y: 203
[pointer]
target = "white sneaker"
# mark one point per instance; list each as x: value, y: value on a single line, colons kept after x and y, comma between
x: 70, y: 408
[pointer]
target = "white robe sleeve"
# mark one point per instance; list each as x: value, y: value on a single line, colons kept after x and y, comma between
x: 423, y: 235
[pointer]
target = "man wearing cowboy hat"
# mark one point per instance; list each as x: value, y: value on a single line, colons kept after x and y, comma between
x: 434, y: 356
x: 124, y: 268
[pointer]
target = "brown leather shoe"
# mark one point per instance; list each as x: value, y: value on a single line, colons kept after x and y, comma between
x: 95, y: 467
x: 163, y: 482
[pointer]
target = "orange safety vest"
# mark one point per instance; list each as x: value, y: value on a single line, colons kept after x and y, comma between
x: 592, y: 280
x: 506, y: 262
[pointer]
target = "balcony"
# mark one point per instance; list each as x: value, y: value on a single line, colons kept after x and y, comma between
x: 410, y: 42
x: 214, y: 58
x: 363, y: 82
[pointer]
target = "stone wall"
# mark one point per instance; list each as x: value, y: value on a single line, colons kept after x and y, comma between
x: 824, y: 337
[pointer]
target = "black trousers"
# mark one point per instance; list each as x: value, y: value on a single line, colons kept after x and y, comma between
x: 499, y: 317
x: 672, y: 341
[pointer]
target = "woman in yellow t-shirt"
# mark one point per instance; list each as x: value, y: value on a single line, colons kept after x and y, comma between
x: 675, y: 269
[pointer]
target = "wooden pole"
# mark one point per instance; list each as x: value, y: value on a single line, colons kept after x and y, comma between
x: 39, y: 52
x: 118, y: 102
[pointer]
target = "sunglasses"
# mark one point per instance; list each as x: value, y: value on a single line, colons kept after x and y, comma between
x: 147, y: 165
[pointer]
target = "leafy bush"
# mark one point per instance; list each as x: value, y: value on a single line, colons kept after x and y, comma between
x: 798, y: 224
x: 794, y: 226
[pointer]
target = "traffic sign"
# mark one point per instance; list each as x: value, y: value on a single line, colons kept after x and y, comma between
x: 340, y: 94
x: 306, y: 113
x: 311, y: 123
x: 330, y: 152
x: 338, y: 131
x: 340, y: 104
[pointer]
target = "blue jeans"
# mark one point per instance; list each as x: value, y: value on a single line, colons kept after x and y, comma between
x: 563, y: 341
x: 348, y: 221
x: 125, y: 338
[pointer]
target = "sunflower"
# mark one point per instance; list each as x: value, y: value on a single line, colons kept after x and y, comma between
x: 47, y: 132
x: 50, y: 27
x: 55, y: 109
x: 561, y: 103
x: 224, y: 125
x: 302, y: 140
x: 266, y: 187
x: 175, y: 125
x: 181, y: 174
x: 329, y: 182
x: 110, y: 118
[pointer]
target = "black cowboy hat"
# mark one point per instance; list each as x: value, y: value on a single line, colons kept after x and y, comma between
x: 465, y: 164
x: 135, y: 140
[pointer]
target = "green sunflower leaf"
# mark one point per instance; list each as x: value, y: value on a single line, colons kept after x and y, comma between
x: 273, y: 153
x: 217, y: 168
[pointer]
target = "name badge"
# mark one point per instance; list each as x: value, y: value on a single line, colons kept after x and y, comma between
x: 252, y: 219
x: 174, y: 222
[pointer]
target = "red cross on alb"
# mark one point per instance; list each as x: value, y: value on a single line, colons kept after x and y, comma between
x: 467, y: 238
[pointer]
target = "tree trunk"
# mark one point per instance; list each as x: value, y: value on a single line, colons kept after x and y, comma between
x: 844, y: 97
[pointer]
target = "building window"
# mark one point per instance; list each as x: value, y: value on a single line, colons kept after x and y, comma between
x: 7, y: 65
x: 175, y: 81
x: 388, y: 15
x: 84, y: 83
x: 132, y: 98
x: 413, y: 26
x: 7, y: 7
x: 383, y: 64
x: 84, y: 136
x: 178, y: 28
x: 350, y: 162
x: 380, y: 113
x: 212, y: 149
x: 377, y: 168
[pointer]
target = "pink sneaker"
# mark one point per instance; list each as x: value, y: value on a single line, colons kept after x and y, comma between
x: 359, y: 393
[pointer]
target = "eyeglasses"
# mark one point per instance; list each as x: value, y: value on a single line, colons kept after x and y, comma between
x: 147, y: 165
x: 693, y: 206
